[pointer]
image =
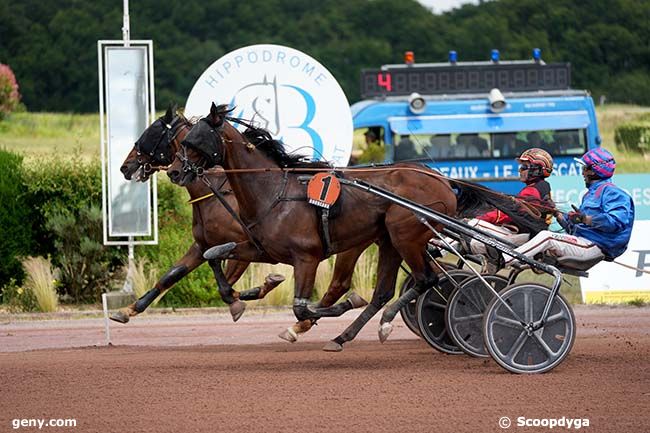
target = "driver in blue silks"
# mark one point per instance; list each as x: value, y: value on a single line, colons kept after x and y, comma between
x: 600, y: 228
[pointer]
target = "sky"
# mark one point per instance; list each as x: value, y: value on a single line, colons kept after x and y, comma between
x: 440, y: 6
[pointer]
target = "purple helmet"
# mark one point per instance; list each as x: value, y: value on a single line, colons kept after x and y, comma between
x: 600, y: 161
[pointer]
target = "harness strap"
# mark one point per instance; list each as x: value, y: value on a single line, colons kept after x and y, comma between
x: 234, y: 214
x: 324, y: 217
x: 203, y: 197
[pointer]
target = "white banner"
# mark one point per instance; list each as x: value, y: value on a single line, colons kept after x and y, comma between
x: 284, y: 91
x: 610, y: 282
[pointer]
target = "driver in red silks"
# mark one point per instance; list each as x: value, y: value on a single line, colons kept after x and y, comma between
x: 535, y: 165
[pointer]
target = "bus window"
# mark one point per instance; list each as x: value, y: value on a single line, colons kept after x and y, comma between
x: 556, y: 142
x: 368, y: 146
x: 405, y: 149
x: 439, y: 147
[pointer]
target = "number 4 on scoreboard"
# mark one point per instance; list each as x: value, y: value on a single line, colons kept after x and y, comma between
x: 384, y: 80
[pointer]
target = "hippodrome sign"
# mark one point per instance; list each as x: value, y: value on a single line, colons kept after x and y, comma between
x: 284, y: 91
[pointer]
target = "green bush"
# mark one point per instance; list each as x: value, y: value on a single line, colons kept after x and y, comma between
x: 16, y: 299
x: 633, y: 137
x: 631, y: 88
x: 60, y: 186
x: 86, y: 265
x: 15, y: 230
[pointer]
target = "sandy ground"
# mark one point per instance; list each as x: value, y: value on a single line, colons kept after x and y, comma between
x: 202, y: 373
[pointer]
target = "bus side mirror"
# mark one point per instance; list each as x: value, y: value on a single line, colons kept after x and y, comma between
x: 497, y: 101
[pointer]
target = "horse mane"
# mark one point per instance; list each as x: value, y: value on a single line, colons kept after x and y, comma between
x: 185, y: 120
x: 274, y: 149
x: 474, y: 199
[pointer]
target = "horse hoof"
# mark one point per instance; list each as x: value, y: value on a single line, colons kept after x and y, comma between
x: 274, y: 279
x: 289, y: 335
x: 219, y: 251
x: 120, y: 316
x: 237, y: 309
x: 384, y: 331
x: 356, y: 301
x: 332, y: 346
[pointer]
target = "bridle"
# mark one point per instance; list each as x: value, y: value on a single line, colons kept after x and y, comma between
x: 163, y: 157
x: 197, y: 169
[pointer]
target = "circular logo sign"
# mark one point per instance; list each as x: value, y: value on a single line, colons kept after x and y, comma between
x: 284, y: 91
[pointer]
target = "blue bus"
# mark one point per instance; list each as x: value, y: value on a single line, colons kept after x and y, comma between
x: 472, y: 119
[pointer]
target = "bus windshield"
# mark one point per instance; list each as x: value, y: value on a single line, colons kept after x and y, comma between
x: 453, y: 146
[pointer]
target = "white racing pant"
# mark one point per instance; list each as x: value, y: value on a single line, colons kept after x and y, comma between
x: 499, y: 232
x: 560, y: 245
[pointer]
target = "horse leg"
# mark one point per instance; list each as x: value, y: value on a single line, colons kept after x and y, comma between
x: 227, y: 293
x: 424, y: 278
x: 387, y: 269
x: 339, y: 285
x: 304, y: 272
x: 235, y: 269
x: 190, y: 261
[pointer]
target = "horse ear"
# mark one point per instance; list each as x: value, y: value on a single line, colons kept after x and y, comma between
x: 169, y: 115
x: 214, y: 116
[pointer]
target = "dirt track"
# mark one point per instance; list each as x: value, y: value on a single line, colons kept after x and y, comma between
x: 189, y: 379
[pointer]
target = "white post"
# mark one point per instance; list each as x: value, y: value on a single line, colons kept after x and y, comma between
x: 107, y: 329
x: 128, y: 282
x: 126, y: 28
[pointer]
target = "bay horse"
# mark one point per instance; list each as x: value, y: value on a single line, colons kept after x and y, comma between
x: 213, y: 225
x: 262, y: 176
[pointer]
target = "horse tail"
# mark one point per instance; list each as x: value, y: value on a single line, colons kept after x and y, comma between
x: 474, y: 199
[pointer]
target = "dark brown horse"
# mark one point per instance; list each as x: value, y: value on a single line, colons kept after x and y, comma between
x: 264, y: 179
x: 213, y: 225
x: 263, y: 176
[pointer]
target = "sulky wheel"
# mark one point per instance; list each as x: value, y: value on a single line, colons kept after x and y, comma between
x: 430, y: 310
x: 464, y: 313
x: 520, y: 348
x: 408, y: 312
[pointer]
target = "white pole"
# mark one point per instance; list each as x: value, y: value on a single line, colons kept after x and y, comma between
x: 128, y: 282
x: 107, y: 329
x: 126, y: 29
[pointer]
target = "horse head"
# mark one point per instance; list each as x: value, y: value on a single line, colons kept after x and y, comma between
x: 155, y: 149
x: 202, y: 148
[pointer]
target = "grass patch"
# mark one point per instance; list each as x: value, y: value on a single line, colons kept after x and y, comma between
x: 609, y: 117
x: 43, y: 135
x: 637, y: 302
x: 40, y: 281
x: 144, y: 276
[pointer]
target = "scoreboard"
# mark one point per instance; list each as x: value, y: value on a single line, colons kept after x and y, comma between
x: 464, y: 78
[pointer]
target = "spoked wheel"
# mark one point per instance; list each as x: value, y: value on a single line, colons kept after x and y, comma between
x: 408, y: 312
x: 464, y: 313
x: 430, y: 309
x: 519, y: 349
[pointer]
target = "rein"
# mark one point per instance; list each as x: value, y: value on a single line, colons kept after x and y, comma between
x: 531, y: 209
x: 233, y: 214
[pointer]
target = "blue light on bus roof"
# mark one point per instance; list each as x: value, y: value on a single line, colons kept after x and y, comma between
x: 537, y: 54
x: 495, y: 56
x: 453, y: 56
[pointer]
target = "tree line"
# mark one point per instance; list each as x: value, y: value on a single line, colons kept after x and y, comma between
x: 52, y: 46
